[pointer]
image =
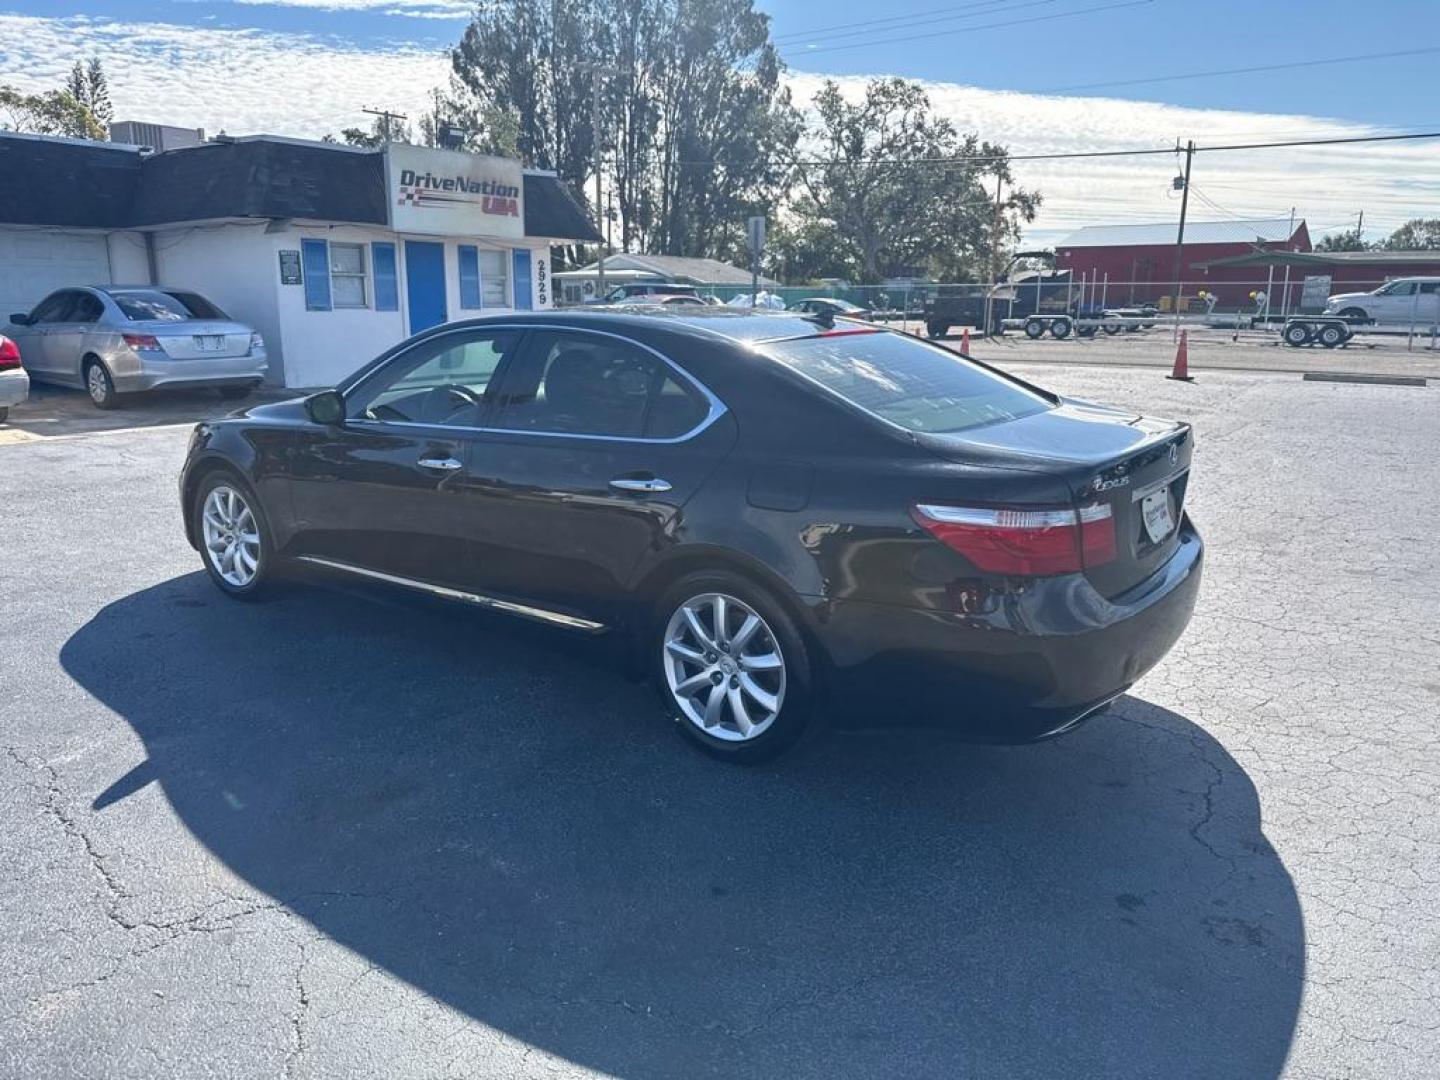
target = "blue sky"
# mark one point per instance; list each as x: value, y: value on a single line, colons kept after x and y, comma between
x: 1048, y: 45
x: 306, y: 67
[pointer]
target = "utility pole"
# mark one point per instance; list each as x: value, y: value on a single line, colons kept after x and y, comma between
x: 1180, y: 236
x: 1360, y: 227
x: 385, y: 117
x: 596, y: 73
x: 994, y: 256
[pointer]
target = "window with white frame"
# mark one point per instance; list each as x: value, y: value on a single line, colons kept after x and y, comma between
x: 347, y: 276
x: 495, y: 278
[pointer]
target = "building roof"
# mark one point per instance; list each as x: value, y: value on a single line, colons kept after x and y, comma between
x: 1258, y: 230
x: 1391, y: 259
x: 676, y: 268
x: 81, y: 184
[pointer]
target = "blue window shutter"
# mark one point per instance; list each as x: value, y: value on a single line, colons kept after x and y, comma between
x: 469, y: 277
x: 315, y: 256
x: 387, y: 287
x: 520, y: 263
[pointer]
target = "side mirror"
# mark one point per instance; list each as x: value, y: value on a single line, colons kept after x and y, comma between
x: 19, y: 318
x: 326, y: 407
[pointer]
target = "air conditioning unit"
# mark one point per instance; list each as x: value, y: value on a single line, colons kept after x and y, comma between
x: 156, y: 136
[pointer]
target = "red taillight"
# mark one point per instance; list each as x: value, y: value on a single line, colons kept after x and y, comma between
x: 9, y: 354
x: 1022, y: 541
x: 141, y: 341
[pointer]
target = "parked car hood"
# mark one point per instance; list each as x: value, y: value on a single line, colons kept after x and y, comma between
x: 1346, y: 297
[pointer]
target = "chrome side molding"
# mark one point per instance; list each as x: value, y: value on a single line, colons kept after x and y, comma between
x: 555, y: 618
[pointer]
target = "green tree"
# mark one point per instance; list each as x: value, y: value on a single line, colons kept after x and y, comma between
x: 900, y: 188
x: 54, y: 112
x: 694, y: 123
x: 87, y: 85
x: 1347, y: 240
x: 1417, y: 234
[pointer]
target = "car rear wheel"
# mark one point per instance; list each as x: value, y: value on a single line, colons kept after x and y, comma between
x: 234, y: 536
x: 936, y: 330
x: 99, y: 385
x: 733, y: 670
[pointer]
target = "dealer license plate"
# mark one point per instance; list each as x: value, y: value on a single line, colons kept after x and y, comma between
x: 1155, y: 511
x: 210, y: 342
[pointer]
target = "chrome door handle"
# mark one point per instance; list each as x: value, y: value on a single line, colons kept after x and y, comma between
x: 445, y: 464
x: 655, y: 484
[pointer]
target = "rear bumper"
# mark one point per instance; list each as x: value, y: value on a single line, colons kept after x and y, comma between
x: 148, y: 374
x: 14, y: 387
x: 1047, y: 658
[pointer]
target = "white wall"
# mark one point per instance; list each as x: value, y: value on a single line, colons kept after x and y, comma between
x: 238, y: 266
x: 128, y: 262
x: 234, y: 265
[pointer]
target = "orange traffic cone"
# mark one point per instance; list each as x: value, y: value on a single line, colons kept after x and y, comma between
x: 1181, y: 370
x: 965, y: 340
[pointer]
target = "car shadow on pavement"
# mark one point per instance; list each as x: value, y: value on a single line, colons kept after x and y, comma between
x: 55, y: 410
x: 486, y: 811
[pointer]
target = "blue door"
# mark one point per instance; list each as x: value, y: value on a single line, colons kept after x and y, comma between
x: 425, y: 284
x: 522, y: 280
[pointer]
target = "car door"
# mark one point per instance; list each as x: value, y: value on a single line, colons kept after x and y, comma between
x: 33, y: 338
x: 388, y: 490
x: 66, y: 341
x: 594, y: 446
x: 1395, y: 303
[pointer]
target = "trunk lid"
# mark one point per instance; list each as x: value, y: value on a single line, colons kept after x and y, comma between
x: 1104, y: 456
x: 196, y: 339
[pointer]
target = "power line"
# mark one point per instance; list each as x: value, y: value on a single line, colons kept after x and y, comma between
x: 906, y: 22
x: 962, y: 159
x: 1244, y: 70
x: 943, y: 13
x: 983, y: 26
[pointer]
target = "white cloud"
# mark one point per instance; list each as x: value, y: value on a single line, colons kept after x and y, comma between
x: 246, y: 81
x: 423, y: 9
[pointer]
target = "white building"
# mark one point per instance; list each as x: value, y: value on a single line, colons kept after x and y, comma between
x: 333, y: 253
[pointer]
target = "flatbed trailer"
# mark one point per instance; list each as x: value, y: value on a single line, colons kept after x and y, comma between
x: 1327, y: 330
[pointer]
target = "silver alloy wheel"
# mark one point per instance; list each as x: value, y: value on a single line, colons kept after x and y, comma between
x: 96, y: 383
x: 232, y: 536
x: 724, y: 667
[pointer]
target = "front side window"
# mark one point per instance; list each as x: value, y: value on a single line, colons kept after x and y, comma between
x: 146, y: 305
x: 910, y: 383
x: 442, y: 380
x: 580, y: 384
x: 347, y: 276
x: 1398, y: 288
x: 54, y: 308
x: 494, y: 278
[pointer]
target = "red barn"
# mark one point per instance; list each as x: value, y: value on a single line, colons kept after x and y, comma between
x: 1140, y: 259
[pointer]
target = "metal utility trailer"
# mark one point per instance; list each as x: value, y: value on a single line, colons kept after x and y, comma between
x: 1084, y: 324
x: 1326, y: 330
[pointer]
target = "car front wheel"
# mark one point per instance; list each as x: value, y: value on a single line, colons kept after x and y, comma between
x: 731, y: 667
x: 234, y: 536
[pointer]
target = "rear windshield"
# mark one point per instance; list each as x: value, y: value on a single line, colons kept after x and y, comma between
x: 917, y: 386
x: 142, y: 305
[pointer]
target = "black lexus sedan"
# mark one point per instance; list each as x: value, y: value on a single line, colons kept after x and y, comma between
x: 783, y: 518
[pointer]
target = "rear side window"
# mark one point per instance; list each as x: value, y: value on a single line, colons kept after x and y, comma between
x: 143, y: 305
x: 579, y: 384
x: 920, y: 387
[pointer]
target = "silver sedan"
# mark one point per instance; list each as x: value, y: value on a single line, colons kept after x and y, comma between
x: 115, y: 340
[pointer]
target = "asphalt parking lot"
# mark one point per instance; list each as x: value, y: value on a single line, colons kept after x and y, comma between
x: 345, y: 833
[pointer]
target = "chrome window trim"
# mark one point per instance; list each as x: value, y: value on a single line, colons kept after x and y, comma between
x: 717, y: 408
x: 556, y: 618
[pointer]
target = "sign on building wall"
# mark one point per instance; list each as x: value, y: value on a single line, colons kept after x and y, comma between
x: 447, y: 193
x: 540, y: 275
x: 1315, y: 293
x: 290, y: 267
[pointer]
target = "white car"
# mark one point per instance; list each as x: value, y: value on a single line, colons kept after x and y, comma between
x: 1396, y: 302
x: 14, y: 383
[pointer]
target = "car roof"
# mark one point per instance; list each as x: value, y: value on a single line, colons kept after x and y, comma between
x: 734, y: 324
